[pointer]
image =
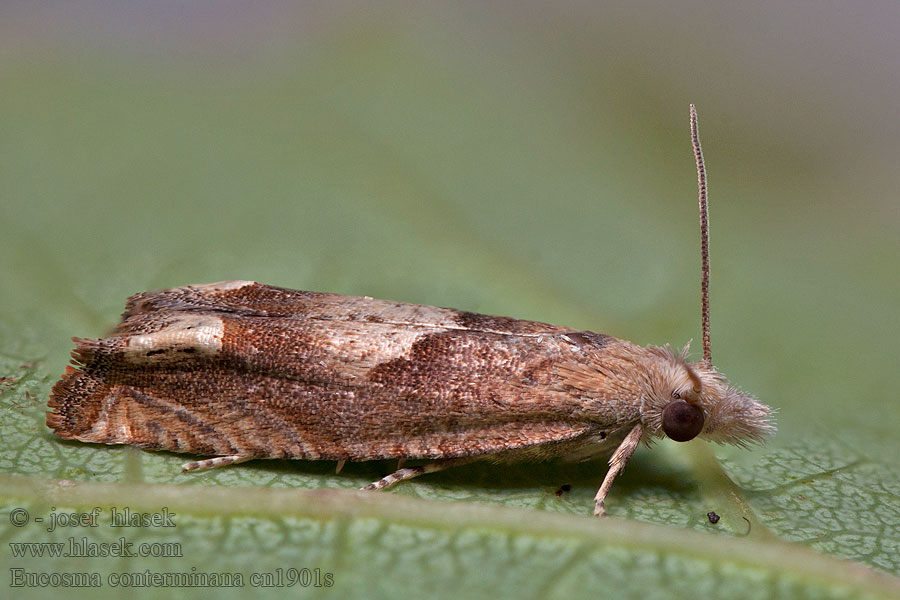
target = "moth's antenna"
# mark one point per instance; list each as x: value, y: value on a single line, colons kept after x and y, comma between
x: 704, y: 235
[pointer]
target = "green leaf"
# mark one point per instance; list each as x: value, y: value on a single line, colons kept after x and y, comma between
x: 477, y: 176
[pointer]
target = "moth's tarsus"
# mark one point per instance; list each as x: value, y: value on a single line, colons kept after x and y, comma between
x: 410, y: 472
x: 704, y: 235
x: 214, y: 463
x: 616, y: 464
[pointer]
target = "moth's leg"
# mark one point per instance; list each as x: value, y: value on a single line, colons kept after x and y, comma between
x: 616, y: 463
x: 212, y: 463
x: 340, y: 466
x: 410, y: 472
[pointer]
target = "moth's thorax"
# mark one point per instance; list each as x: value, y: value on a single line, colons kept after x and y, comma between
x: 729, y: 415
x: 607, y: 378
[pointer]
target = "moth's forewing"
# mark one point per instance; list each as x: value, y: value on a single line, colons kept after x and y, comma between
x: 241, y: 368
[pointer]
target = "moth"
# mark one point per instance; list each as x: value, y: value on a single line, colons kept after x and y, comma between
x: 238, y: 370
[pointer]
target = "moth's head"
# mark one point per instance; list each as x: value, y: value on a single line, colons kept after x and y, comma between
x: 687, y: 400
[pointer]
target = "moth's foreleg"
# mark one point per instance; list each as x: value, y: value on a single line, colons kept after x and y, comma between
x: 212, y: 463
x: 410, y: 472
x: 616, y: 464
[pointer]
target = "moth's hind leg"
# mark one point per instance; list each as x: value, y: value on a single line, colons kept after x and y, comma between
x: 212, y: 463
x: 410, y: 472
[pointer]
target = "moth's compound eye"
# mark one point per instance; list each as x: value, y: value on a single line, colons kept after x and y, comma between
x: 682, y: 421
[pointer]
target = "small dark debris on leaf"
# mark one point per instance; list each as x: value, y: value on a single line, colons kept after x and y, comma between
x: 563, y: 489
x: 713, y: 517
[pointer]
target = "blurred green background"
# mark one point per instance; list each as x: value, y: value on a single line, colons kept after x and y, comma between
x: 517, y: 158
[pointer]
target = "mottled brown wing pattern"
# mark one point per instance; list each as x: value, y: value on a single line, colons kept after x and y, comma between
x: 258, y: 371
x: 249, y: 298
